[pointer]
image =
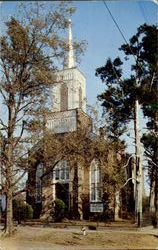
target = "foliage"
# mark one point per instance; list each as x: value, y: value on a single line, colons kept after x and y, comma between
x: 120, y: 93
x: 106, y: 215
x: 150, y: 142
x: 58, y: 211
x: 21, y: 210
x: 31, y: 48
x: 82, y: 147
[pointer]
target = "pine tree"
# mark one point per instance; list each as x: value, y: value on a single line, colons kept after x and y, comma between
x: 123, y: 96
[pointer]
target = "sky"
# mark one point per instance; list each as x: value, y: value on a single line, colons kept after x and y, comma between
x: 93, y: 23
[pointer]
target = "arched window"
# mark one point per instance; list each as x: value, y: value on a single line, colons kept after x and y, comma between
x: 39, y: 173
x: 63, y: 97
x: 61, y: 172
x: 95, y: 182
x: 80, y: 97
x: 61, y: 182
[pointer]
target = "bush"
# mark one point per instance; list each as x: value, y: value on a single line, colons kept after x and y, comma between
x: 22, y: 210
x: 58, y: 211
x: 107, y: 215
x: 154, y: 219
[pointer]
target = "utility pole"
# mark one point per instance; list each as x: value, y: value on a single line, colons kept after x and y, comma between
x: 139, y: 172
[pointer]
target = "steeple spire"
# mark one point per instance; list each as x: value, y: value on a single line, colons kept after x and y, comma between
x: 70, y: 62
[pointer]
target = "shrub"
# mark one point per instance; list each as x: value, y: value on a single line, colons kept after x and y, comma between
x: 22, y: 210
x: 58, y: 210
x: 107, y: 215
x: 154, y: 219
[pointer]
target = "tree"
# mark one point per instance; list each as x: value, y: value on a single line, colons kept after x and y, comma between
x: 79, y: 148
x: 150, y: 110
x: 150, y: 143
x: 30, y: 50
x: 123, y: 95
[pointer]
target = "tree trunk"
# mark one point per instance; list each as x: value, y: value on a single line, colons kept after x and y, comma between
x: 9, y: 228
x: 9, y: 194
x: 156, y: 201
x: 152, y: 196
x: 117, y: 206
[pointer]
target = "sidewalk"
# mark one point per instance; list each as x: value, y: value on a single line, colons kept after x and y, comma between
x: 149, y: 230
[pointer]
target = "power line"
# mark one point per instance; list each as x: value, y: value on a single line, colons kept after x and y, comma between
x: 115, y: 22
x: 121, y: 33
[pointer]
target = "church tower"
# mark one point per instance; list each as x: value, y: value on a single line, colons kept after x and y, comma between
x: 68, y: 95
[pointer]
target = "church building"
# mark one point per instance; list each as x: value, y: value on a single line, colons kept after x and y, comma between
x: 78, y: 185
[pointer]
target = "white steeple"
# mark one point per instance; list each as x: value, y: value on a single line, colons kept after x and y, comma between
x: 69, y: 92
x: 70, y: 57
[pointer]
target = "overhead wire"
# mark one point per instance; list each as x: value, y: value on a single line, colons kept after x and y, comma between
x: 115, y: 21
x: 118, y: 28
x: 123, y: 36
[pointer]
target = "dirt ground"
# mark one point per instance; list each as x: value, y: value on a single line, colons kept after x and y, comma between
x: 37, y: 238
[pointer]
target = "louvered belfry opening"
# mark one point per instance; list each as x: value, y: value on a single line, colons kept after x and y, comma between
x: 80, y: 97
x: 64, y: 98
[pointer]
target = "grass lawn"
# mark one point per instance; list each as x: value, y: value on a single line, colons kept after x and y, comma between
x: 39, y: 238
